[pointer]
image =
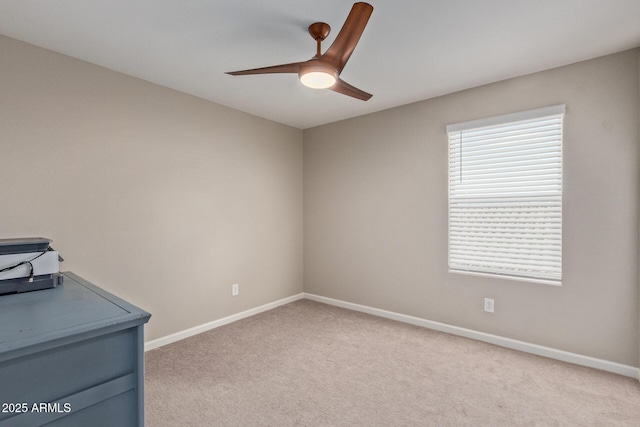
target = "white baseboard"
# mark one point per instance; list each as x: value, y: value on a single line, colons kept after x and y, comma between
x: 552, y: 353
x: 150, y: 345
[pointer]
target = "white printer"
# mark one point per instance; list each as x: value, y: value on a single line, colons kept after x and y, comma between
x: 28, y: 264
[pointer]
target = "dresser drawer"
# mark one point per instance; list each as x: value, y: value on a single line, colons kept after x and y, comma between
x: 52, y: 375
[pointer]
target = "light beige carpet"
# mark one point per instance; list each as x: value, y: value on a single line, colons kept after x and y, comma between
x: 310, y: 364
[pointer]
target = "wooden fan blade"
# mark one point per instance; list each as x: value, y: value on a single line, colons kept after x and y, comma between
x: 346, y: 89
x: 342, y: 48
x: 283, y: 68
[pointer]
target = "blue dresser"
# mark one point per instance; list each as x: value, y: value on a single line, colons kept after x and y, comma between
x: 71, y: 356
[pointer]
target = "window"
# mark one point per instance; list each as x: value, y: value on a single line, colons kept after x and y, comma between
x: 505, y: 196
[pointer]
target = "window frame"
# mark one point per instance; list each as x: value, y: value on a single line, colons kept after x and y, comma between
x: 511, y: 119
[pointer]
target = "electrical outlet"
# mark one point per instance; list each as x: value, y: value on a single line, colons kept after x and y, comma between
x: 489, y: 305
x: 234, y: 290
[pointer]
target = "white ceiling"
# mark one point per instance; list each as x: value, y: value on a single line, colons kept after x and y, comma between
x: 411, y: 49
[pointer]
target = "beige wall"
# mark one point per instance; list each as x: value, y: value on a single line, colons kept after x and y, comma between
x: 166, y: 200
x: 162, y: 198
x: 375, y: 218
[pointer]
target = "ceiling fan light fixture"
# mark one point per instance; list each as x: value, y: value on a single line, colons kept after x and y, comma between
x: 318, y: 80
x: 318, y: 77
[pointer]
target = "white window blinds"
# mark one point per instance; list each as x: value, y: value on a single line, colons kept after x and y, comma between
x: 505, y: 195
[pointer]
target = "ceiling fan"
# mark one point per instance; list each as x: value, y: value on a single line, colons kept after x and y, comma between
x: 323, y: 70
